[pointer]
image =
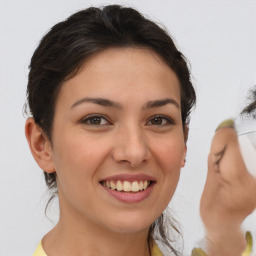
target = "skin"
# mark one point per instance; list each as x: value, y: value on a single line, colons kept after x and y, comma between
x: 228, y: 197
x: 126, y: 141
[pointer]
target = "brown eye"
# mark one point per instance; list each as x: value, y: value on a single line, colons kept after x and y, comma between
x: 160, y: 120
x: 95, y: 120
x: 157, y: 121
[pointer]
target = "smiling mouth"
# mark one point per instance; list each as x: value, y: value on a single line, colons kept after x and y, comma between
x: 127, y: 186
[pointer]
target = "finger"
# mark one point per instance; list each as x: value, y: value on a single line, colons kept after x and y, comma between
x: 216, y: 158
x: 212, y: 182
x: 225, y: 148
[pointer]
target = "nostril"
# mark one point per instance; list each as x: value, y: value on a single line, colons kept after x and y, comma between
x: 131, y: 148
x: 133, y: 159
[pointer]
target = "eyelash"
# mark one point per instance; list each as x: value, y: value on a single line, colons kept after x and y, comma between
x: 86, y: 120
x: 168, y: 120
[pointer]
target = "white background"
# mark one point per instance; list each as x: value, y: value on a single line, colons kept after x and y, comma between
x: 217, y: 37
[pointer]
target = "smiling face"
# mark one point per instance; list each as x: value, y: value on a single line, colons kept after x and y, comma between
x: 117, y: 140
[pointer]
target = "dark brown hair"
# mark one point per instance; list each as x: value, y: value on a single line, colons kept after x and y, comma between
x: 250, y: 109
x: 63, y: 50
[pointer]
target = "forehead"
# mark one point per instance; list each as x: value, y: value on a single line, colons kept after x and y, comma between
x: 124, y: 60
x: 123, y: 73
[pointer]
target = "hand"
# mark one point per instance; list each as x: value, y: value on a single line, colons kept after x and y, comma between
x: 229, y: 194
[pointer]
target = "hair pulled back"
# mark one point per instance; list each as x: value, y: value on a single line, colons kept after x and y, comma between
x: 63, y: 50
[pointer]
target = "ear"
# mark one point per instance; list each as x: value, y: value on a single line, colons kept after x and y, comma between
x: 40, y: 145
x: 185, y: 131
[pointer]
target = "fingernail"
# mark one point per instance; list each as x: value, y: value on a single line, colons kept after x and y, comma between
x: 229, y: 123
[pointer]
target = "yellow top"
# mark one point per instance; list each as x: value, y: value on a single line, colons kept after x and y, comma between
x: 156, y: 251
x: 247, y: 252
x: 40, y: 251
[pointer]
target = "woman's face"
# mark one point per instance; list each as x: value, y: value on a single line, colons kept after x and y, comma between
x: 118, y: 142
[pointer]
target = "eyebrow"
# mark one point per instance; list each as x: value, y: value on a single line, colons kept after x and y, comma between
x: 110, y: 103
x: 160, y: 103
x: 99, y: 101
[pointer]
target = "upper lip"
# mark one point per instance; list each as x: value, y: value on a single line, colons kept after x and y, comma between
x: 130, y: 177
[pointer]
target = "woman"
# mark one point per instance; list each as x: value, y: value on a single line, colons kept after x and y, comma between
x: 110, y: 97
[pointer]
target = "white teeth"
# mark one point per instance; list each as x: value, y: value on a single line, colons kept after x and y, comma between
x: 112, y: 185
x: 119, y: 186
x: 141, y: 185
x: 126, y: 186
x: 135, y: 186
x: 145, y: 185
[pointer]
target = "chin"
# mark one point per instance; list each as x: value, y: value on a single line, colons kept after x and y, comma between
x: 132, y: 223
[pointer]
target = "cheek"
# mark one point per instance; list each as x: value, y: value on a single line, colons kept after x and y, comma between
x: 170, y: 154
x: 80, y: 152
x: 77, y: 164
x: 170, y: 165
x: 77, y: 160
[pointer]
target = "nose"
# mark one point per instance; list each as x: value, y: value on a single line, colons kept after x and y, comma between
x: 131, y: 147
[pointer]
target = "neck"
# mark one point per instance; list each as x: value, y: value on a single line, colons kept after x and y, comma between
x: 74, y: 235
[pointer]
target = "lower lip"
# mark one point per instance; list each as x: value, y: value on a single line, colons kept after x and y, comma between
x: 130, y: 197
